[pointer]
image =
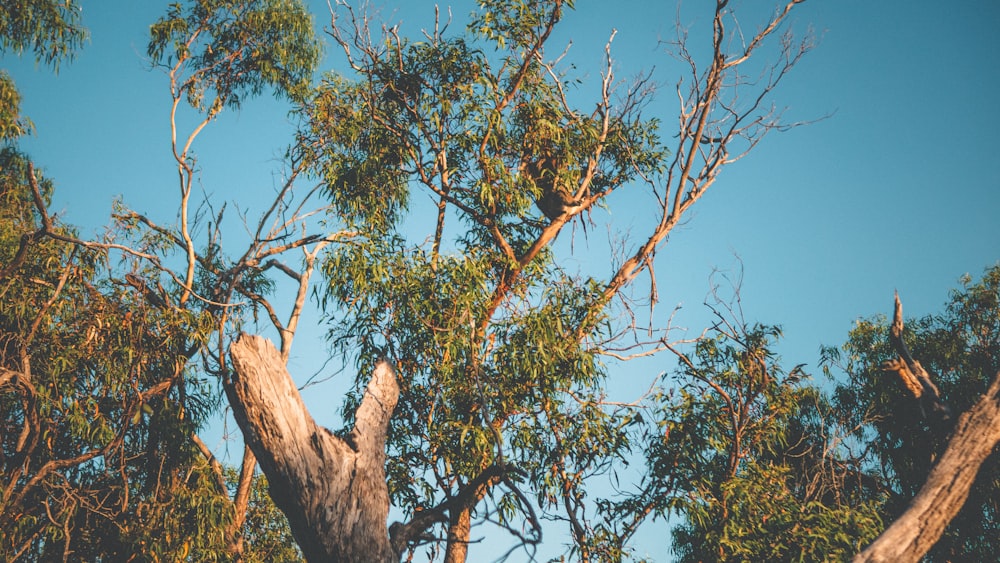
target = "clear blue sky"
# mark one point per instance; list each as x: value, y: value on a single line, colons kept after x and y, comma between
x: 898, y: 189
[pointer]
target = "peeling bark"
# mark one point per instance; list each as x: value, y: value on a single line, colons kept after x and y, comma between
x: 332, y: 490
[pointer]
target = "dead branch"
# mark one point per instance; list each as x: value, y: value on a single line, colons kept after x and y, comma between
x: 710, y: 126
x: 913, y: 375
x: 915, y: 532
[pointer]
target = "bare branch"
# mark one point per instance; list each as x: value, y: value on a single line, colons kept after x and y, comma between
x: 913, y: 375
x: 915, y: 532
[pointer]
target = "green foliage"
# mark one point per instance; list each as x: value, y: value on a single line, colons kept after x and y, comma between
x: 515, y: 22
x: 99, y: 397
x: 496, y: 345
x: 265, y: 531
x: 361, y: 164
x: 12, y: 123
x: 767, y: 521
x: 221, y: 51
x: 961, y: 348
x: 96, y: 405
x: 49, y: 28
x: 743, y: 455
x: 443, y: 117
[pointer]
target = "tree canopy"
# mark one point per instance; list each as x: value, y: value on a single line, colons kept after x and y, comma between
x: 440, y: 186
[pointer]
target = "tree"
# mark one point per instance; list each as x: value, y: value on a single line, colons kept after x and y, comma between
x: 746, y: 455
x: 498, y: 348
x: 900, y: 441
x: 917, y: 447
x: 96, y: 398
x: 759, y: 465
x: 498, y: 351
x: 92, y: 393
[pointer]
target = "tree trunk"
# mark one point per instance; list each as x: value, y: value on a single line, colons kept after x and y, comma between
x: 332, y: 490
x: 917, y: 530
x: 459, y: 532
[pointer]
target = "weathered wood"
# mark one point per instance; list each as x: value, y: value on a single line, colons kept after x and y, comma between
x: 332, y: 490
x: 917, y: 530
x: 915, y: 378
x: 973, y: 439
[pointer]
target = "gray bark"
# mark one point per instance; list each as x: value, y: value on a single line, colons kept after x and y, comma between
x: 973, y: 439
x: 332, y: 490
x: 913, y: 534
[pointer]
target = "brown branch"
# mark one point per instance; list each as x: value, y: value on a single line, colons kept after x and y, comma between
x: 913, y: 375
x: 535, y: 50
x: 213, y: 462
x: 51, y: 301
x: 27, y: 240
x: 241, y: 501
x: 402, y: 534
x: 915, y: 532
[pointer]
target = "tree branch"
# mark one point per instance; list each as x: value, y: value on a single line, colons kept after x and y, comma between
x: 916, y: 379
x: 913, y: 534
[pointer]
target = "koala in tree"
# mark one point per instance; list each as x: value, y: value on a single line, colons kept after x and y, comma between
x: 555, y: 200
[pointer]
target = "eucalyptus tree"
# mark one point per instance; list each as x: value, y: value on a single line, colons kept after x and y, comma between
x: 96, y: 400
x: 500, y: 352
x: 748, y: 456
x: 92, y: 389
x: 925, y: 401
x: 100, y: 395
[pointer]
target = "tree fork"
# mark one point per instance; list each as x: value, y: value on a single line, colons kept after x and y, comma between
x: 332, y: 490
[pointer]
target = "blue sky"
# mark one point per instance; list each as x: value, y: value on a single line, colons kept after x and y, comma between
x: 896, y: 189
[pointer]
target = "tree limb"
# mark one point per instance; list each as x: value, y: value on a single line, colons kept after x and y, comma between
x: 913, y: 534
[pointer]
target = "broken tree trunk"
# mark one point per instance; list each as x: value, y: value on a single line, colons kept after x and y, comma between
x: 973, y: 439
x: 912, y: 535
x: 332, y: 490
x: 913, y: 375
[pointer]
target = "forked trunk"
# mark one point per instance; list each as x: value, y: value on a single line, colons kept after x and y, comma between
x: 333, y: 490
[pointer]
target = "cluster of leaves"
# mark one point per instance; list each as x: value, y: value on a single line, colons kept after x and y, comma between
x: 489, y: 335
x: 743, y: 454
x: 48, y: 28
x: 12, y: 123
x: 236, y: 49
x: 96, y: 403
x: 51, y: 29
x: 265, y: 529
x: 961, y: 348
